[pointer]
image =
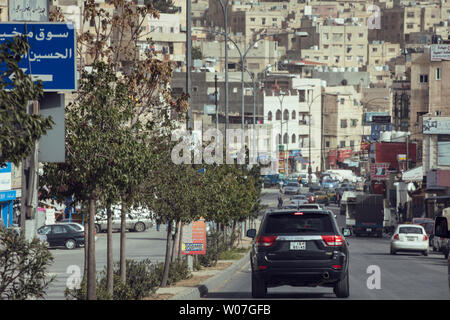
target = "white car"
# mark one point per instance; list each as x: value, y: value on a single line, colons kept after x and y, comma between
x: 410, y: 237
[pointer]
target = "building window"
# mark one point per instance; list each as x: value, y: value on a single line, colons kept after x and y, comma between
x: 352, y: 143
x: 293, y: 115
x: 278, y: 115
x: 327, y: 144
x: 423, y: 78
x: 263, y: 21
x: 374, y: 49
x: 344, y: 123
x: 252, y: 19
x: 285, y: 138
x: 293, y: 138
x: 438, y: 73
x: 301, y: 96
x: 409, y: 26
x: 353, y: 123
x: 342, y: 100
x: 342, y: 144
x: 410, y: 14
x: 269, y: 116
x: 286, y: 115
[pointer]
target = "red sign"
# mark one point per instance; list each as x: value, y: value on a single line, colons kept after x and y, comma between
x: 344, y: 154
x: 379, y: 171
x: 194, y: 238
x: 332, y: 157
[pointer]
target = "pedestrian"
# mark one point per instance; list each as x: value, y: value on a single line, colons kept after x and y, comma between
x: 400, y: 212
x: 405, y: 212
x: 280, y: 199
x: 338, y: 198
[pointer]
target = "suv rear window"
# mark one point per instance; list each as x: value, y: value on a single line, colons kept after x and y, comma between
x: 410, y: 230
x: 298, y: 224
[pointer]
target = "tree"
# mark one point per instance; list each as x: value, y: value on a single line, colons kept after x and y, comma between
x: 23, y: 266
x: 121, y: 108
x: 174, y: 193
x: 19, y: 130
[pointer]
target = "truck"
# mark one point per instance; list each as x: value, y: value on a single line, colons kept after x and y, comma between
x: 365, y: 214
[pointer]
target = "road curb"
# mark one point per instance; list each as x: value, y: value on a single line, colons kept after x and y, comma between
x: 213, y: 282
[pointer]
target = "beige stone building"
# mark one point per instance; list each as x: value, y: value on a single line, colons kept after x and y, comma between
x: 340, y: 46
x: 402, y: 24
x: 265, y: 53
x: 430, y: 92
x: 342, y: 120
x: 379, y: 54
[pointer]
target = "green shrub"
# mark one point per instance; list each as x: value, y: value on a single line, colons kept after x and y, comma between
x: 142, y: 279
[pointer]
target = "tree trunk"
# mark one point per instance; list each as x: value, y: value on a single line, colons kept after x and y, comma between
x: 175, y: 242
x: 123, y: 257
x: 109, y: 250
x: 167, y: 260
x: 86, y: 244
x: 91, y: 278
x: 180, y: 241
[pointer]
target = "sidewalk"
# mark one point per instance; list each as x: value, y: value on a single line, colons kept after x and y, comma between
x: 207, y: 279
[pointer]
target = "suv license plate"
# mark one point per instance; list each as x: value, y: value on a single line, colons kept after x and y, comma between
x: 298, y: 245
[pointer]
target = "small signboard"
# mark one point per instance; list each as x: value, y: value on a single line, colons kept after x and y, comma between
x: 379, y: 171
x: 52, y: 54
x: 5, y: 176
x: 28, y: 10
x: 194, y: 238
x: 440, y: 52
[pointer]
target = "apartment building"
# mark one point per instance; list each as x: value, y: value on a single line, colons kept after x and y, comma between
x: 295, y: 115
x: 430, y: 92
x: 403, y: 24
x: 264, y: 54
x: 169, y: 43
x: 378, y: 55
x: 340, y: 46
x: 342, y: 124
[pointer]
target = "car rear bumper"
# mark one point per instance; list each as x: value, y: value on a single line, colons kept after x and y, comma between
x: 301, y: 272
x: 409, y: 245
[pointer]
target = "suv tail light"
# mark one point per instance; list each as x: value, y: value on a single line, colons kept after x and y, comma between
x: 396, y: 237
x: 425, y: 238
x: 265, y: 241
x: 333, y: 241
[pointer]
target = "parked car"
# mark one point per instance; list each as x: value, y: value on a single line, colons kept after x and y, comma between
x: 61, y: 235
x: 292, y: 187
x: 428, y: 225
x: 78, y: 227
x: 290, y: 247
x: 133, y: 223
x: 411, y: 238
x: 321, y: 197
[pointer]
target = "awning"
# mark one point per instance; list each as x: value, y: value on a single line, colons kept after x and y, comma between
x: 415, y: 174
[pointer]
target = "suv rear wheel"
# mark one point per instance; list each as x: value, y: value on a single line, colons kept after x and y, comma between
x: 259, y: 288
x: 342, y: 288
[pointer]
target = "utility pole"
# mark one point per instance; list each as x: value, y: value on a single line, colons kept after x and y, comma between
x: 215, y: 101
x: 188, y: 62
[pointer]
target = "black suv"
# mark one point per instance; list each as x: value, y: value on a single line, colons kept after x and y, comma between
x: 299, y: 248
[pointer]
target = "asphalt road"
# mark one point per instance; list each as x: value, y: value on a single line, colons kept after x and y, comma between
x: 149, y: 244
x: 403, y: 276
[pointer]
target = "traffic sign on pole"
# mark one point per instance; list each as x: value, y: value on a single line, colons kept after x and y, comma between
x: 52, y: 54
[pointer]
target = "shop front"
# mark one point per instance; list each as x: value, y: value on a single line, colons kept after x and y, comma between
x: 6, y: 207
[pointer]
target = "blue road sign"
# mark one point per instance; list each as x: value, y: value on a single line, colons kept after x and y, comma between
x: 52, y: 54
